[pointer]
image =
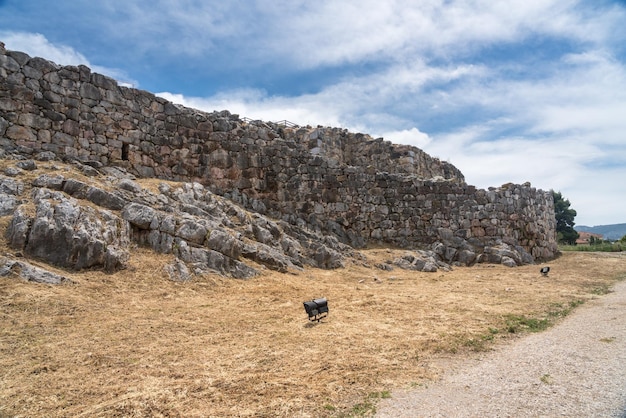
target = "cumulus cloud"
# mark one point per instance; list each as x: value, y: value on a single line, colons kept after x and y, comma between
x: 330, y: 33
x: 411, y: 136
x: 37, y: 45
x: 255, y: 104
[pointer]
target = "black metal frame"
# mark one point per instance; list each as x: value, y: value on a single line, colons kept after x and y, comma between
x: 316, y: 309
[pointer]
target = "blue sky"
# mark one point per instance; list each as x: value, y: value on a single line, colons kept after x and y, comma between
x: 508, y: 91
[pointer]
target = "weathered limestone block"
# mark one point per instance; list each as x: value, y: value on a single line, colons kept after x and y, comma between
x: 8, y: 203
x: 10, y: 189
x: 267, y: 256
x: 21, y: 133
x: 139, y: 215
x: 223, y: 242
x: 178, y: 271
x: 75, y: 188
x: 203, y: 260
x: 34, y: 121
x: 192, y: 230
x: 420, y: 261
x: 168, y: 224
x: 160, y: 241
x: 66, y: 234
x: 26, y: 165
x: 17, y: 232
x: 11, y: 186
x: 8, y: 63
x: 105, y: 198
x: 502, y: 253
x: 327, y: 258
x: 27, y: 271
x: 466, y: 257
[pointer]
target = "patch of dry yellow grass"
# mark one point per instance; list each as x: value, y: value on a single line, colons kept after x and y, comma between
x: 136, y: 344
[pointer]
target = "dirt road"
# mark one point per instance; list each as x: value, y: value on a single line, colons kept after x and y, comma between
x: 575, y: 369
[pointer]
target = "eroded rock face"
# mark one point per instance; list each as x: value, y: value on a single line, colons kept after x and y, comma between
x: 26, y: 271
x: 77, y: 225
x: 9, y: 190
x: 70, y: 223
x: 10, y: 267
x: 64, y: 233
x: 208, y: 231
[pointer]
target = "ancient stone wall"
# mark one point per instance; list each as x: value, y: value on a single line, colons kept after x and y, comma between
x: 361, y: 189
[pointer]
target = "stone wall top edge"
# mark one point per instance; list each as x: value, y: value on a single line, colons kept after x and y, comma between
x: 363, y: 137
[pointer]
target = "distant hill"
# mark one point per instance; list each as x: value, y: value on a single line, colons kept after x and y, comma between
x: 612, y: 232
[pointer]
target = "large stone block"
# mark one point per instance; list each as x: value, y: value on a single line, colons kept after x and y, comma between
x: 68, y: 235
x: 139, y: 215
x: 8, y: 63
x: 21, y: 133
x: 89, y: 91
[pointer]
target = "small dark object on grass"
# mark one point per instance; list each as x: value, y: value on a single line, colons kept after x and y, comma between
x: 316, y: 309
x: 545, y: 270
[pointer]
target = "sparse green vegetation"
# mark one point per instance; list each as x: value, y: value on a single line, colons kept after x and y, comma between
x: 481, y: 343
x: 519, y: 323
x: 367, y: 408
x: 601, y: 290
x: 602, y: 246
x: 547, y: 379
x: 522, y: 323
x: 560, y: 311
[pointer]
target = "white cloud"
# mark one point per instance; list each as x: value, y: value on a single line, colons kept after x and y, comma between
x: 411, y: 136
x: 255, y: 104
x: 598, y: 196
x: 184, y: 27
x: 374, y: 103
x: 37, y: 45
x: 330, y: 33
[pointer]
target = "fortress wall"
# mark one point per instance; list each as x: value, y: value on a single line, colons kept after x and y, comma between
x: 364, y: 190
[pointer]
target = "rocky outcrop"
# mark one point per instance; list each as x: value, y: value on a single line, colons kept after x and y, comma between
x: 70, y: 223
x: 62, y: 232
x: 76, y: 224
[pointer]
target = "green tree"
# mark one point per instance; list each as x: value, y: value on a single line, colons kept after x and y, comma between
x: 566, y: 234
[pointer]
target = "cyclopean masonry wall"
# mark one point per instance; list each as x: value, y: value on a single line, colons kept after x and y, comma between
x: 361, y: 189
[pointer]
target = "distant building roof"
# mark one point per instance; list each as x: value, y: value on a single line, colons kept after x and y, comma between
x: 585, y: 237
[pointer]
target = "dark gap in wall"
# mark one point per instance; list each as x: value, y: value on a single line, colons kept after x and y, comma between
x: 125, y: 152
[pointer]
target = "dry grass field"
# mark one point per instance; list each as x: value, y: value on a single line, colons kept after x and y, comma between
x: 135, y: 344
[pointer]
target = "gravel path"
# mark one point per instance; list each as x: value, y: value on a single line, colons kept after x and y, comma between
x: 575, y: 369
